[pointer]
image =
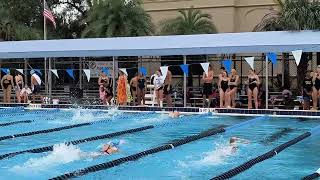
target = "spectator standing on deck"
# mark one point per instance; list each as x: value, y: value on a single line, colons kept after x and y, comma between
x: 141, y: 91
x: 167, y: 90
x: 122, y: 89
x: 158, y: 82
x: 7, y: 85
x: 233, y: 88
x: 316, y: 88
x: 105, y: 88
x: 223, y: 89
x: 307, y: 90
x: 18, y: 79
x: 207, y: 86
x: 35, y: 85
x: 134, y: 88
x: 253, y: 84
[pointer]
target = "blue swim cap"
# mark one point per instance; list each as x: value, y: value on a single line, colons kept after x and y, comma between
x: 115, y: 143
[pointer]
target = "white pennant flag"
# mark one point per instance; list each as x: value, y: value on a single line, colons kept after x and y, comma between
x: 55, y: 72
x: 87, y: 72
x: 164, y: 71
x: 124, y: 70
x: 20, y: 71
x: 205, y: 67
x: 297, y: 56
x: 250, y: 61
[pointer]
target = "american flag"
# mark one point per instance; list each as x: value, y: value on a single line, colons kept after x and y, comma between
x: 48, y: 14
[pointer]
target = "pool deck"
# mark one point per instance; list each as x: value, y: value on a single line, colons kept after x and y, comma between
x: 213, y: 111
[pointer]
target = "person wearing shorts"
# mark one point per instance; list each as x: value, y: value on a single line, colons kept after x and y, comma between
x: 207, y: 86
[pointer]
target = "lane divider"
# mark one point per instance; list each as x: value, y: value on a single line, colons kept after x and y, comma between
x: 75, y: 142
x: 15, y: 122
x: 312, y: 176
x: 117, y: 162
x: 28, y: 113
x: 247, y: 165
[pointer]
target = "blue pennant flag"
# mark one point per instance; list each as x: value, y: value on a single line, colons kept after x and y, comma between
x: 5, y: 70
x: 185, y: 68
x: 272, y: 57
x: 143, y: 71
x: 227, y: 64
x: 70, y: 72
x: 105, y: 70
x: 38, y: 71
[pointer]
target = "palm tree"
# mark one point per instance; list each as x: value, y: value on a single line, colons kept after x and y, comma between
x: 191, y: 21
x: 293, y: 15
x: 114, y: 18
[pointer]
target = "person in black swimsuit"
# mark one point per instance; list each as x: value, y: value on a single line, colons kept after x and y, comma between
x: 233, y: 87
x: 7, y: 85
x: 141, y: 91
x: 316, y: 88
x: 134, y: 88
x: 307, y: 90
x: 18, y: 81
x: 223, y: 88
x: 253, y: 83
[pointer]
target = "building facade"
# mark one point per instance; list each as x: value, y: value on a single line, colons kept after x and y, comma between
x: 227, y: 15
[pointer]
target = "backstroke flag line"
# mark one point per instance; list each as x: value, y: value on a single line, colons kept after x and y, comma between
x: 297, y: 56
x: 70, y: 72
x: 205, y: 67
x: 185, y: 68
x: 87, y: 72
x: 164, y: 71
x: 20, y: 71
x: 124, y: 70
x: 55, y: 72
x: 143, y: 71
x: 272, y: 57
x: 250, y: 61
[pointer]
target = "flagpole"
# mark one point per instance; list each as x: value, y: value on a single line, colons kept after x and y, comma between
x: 45, y: 59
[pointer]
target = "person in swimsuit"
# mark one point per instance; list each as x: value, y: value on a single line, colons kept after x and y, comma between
x: 105, y: 88
x: 24, y: 94
x: 134, y: 88
x: 253, y: 83
x: 207, y: 86
x: 233, y: 87
x: 234, y: 141
x: 174, y: 114
x: 18, y: 79
x: 307, y: 90
x: 7, y: 84
x: 35, y: 85
x: 158, y: 87
x: 223, y: 89
x: 122, y: 89
x: 109, y: 149
x: 167, y: 89
x: 141, y: 91
x: 316, y: 88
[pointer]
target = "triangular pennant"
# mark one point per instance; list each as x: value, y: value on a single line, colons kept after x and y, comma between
x: 185, y: 68
x: 70, y: 73
x: 250, y: 61
x: 55, y: 72
x: 105, y: 70
x: 124, y: 70
x: 143, y: 71
x: 20, y: 71
x: 205, y: 67
x: 272, y: 57
x: 297, y: 56
x: 38, y: 71
x: 227, y: 64
x: 164, y: 71
x: 5, y: 70
x: 87, y: 72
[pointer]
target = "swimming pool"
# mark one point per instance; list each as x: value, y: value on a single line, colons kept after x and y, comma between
x: 201, y: 159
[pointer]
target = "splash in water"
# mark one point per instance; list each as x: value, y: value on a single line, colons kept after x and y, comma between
x: 61, y: 154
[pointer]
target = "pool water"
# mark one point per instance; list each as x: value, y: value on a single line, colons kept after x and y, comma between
x: 201, y: 159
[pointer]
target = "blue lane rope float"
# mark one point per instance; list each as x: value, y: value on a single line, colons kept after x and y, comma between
x: 79, y: 141
x: 247, y: 165
x: 13, y: 109
x: 312, y: 176
x: 247, y: 123
x: 22, y: 113
x: 139, y: 155
x: 15, y: 122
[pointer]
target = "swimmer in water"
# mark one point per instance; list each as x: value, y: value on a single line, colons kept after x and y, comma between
x: 234, y: 143
x: 174, y: 114
x: 109, y: 149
